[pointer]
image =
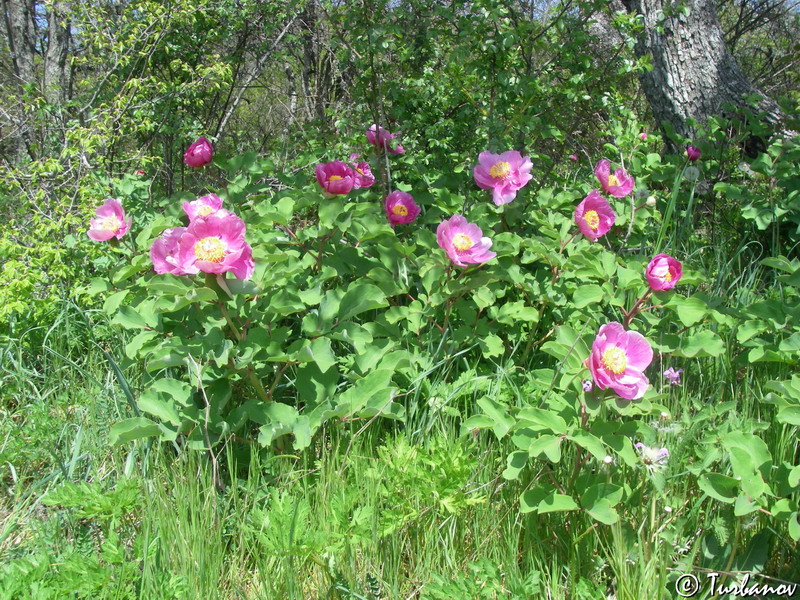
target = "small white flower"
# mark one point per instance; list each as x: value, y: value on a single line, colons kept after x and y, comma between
x: 608, y: 460
x: 668, y: 509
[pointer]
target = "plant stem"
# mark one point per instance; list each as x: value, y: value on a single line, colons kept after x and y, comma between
x: 635, y: 308
x: 256, y: 383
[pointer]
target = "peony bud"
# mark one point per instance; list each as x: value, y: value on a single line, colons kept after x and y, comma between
x: 199, y: 153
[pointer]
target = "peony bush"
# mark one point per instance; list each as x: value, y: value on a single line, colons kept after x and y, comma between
x: 266, y: 311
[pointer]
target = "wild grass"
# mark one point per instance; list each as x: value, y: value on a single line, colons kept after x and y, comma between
x: 373, y: 510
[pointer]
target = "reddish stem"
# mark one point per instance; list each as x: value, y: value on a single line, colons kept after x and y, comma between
x: 635, y: 308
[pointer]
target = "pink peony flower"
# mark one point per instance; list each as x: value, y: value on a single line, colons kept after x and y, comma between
x: 140, y: 172
x: 463, y: 241
x: 109, y: 222
x: 199, y: 153
x: 692, y: 153
x: 363, y: 174
x: 643, y: 137
x: 382, y: 139
x: 401, y: 208
x: 573, y: 157
x: 619, y: 184
x: 204, y: 206
x: 618, y: 361
x: 504, y: 174
x: 594, y: 216
x: 335, y: 177
x: 216, y: 245
x: 164, y: 252
x: 663, y: 272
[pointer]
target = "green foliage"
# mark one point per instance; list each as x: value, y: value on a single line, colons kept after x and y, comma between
x: 484, y: 580
x: 350, y: 329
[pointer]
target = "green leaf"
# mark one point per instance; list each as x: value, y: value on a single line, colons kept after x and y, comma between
x: 112, y: 303
x: 748, y: 329
x: 96, y: 286
x: 329, y: 211
x: 498, y: 413
x: 129, y: 318
x: 131, y: 429
x: 794, y: 526
x: 476, y: 422
x: 530, y: 499
x: 319, y: 351
x: 601, y: 491
x: 361, y: 297
x: 376, y: 384
x: 794, y: 477
x: 515, y: 463
x: 623, y: 447
x: 164, y: 410
x: 591, y: 443
x: 719, y: 487
x: 315, y: 386
x: 586, y: 295
x: 789, y: 415
x: 691, y: 310
x: 544, y: 418
x: 603, y: 511
x: 700, y: 345
x: 179, y: 391
x: 790, y: 344
x: 491, y: 345
x: 556, y: 503
x: 780, y: 262
x: 135, y: 344
x: 511, y: 313
x: 549, y: 445
x: 744, y: 506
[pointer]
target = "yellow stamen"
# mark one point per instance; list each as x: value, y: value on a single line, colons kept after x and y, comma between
x: 500, y: 170
x: 401, y: 210
x: 205, y: 210
x: 462, y: 242
x: 334, y: 177
x: 612, y: 180
x: 210, y: 249
x: 615, y: 360
x: 360, y: 172
x: 592, y: 219
x: 110, y: 223
x: 668, y: 276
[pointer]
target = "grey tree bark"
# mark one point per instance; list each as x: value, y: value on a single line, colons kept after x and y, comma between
x: 20, y: 36
x: 693, y: 73
x: 20, y: 29
x: 49, y: 76
x: 56, y: 74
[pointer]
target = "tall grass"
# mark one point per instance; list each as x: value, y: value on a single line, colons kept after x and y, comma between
x: 372, y: 509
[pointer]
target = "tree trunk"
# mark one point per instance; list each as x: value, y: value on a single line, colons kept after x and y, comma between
x: 20, y: 34
x: 308, y: 20
x: 20, y: 30
x: 693, y: 73
x: 56, y: 80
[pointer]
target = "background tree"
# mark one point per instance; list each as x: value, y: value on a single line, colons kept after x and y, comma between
x: 693, y: 74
